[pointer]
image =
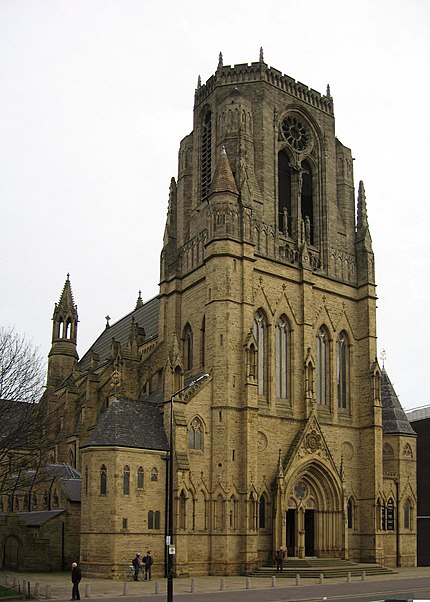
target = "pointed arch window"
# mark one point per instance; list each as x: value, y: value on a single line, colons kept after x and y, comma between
x: 322, y: 367
x: 260, y: 334
x: 195, y: 434
x: 126, y: 480
x: 390, y: 515
x: 262, y: 512
x: 188, y: 347
x: 103, y: 480
x: 282, y: 358
x: 202, y: 342
x: 350, y: 513
x: 284, y: 194
x: 407, y: 515
x: 182, y: 511
x: 206, y: 154
x: 154, y: 474
x: 343, y: 371
x: 140, y: 477
x: 86, y: 480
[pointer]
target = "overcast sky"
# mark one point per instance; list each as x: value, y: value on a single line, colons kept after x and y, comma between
x: 97, y: 94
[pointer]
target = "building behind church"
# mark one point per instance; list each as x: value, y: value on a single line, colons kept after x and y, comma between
x: 267, y: 285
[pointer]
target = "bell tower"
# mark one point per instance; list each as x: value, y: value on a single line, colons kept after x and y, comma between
x: 63, y: 355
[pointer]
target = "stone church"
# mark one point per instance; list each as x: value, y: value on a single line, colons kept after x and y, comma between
x: 287, y: 431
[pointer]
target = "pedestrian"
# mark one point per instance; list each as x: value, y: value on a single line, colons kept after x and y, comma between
x: 280, y: 557
x: 76, y: 578
x: 137, y: 565
x: 148, y: 561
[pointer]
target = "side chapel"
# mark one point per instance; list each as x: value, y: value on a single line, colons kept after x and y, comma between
x: 267, y: 285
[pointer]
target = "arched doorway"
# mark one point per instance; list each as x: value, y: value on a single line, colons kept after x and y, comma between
x: 313, y: 514
x: 11, y: 554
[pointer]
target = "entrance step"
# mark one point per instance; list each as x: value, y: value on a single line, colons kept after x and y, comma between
x: 331, y: 568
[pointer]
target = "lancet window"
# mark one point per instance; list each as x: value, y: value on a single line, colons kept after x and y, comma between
x: 282, y: 358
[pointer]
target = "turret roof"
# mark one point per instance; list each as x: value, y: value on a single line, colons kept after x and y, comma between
x: 394, y: 419
x: 223, y: 179
x: 137, y: 424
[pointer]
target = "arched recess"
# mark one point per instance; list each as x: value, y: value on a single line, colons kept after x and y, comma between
x: 12, y: 549
x: 313, y: 512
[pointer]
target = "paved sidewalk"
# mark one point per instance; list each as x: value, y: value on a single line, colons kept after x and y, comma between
x: 58, y: 586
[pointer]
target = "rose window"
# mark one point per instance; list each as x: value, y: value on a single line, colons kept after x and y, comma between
x: 295, y: 133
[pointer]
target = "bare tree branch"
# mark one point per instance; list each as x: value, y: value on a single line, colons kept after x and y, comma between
x: 25, y: 432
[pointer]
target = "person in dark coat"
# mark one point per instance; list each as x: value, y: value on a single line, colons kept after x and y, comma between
x: 136, y: 564
x: 280, y: 557
x: 76, y: 578
x: 148, y: 561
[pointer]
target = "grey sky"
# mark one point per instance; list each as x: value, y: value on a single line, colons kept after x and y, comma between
x: 97, y: 94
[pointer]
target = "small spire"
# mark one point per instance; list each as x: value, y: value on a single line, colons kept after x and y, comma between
x: 383, y: 357
x: 328, y: 94
x: 139, y: 302
x: 261, y: 55
x: 107, y: 318
x: 279, y: 462
x: 361, y: 207
x: 220, y: 61
x: 199, y: 82
x: 223, y: 179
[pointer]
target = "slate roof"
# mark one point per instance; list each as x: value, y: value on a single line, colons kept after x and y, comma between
x: 72, y: 489
x: 394, y: 419
x: 145, y: 316
x: 37, y: 518
x: 137, y: 424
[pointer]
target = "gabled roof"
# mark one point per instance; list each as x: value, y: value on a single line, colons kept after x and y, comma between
x: 137, y: 424
x: 146, y: 315
x: 394, y: 419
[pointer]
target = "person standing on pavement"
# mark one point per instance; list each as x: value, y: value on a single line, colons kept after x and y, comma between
x: 137, y: 565
x: 148, y: 561
x: 280, y: 557
x: 76, y: 578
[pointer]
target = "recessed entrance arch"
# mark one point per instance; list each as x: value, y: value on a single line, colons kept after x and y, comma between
x: 313, y: 517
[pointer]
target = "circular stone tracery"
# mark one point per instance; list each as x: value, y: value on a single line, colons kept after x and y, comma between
x: 295, y: 133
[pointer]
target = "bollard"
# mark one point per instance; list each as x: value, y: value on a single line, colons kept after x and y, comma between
x: 88, y: 590
x: 273, y: 581
x: 363, y: 575
x: 29, y: 589
x: 48, y: 592
x: 157, y: 587
x: 321, y: 577
x: 193, y: 586
x: 36, y: 590
x: 221, y: 585
x: 248, y: 583
x: 297, y: 579
x: 348, y: 577
x: 125, y: 588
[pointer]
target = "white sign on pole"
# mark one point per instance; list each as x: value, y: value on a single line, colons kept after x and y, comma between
x: 172, y: 550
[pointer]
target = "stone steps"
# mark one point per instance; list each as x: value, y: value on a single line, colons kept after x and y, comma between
x: 313, y: 568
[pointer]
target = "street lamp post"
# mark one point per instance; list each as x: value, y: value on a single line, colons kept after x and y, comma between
x: 169, y: 539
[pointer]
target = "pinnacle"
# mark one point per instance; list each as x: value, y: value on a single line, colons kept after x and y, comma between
x: 223, y: 180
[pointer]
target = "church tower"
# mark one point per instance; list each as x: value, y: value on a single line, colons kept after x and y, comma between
x: 267, y: 280
x: 63, y: 355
